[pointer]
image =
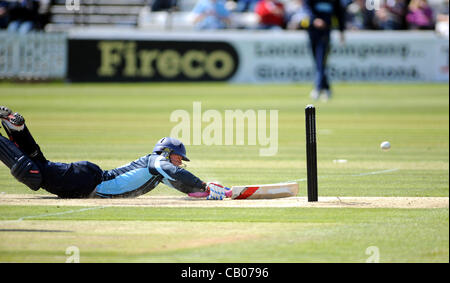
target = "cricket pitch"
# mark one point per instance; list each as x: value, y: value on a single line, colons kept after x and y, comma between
x: 184, y: 201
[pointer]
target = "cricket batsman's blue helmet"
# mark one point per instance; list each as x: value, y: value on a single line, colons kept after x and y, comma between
x: 171, y: 145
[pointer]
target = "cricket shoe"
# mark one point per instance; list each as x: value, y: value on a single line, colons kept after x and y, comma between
x: 4, y: 112
x: 12, y: 121
x: 325, y: 95
x: 314, y: 94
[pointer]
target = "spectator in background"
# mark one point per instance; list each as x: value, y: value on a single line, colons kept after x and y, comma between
x: 271, y: 14
x: 391, y: 15
x: 321, y: 13
x: 246, y: 5
x: 44, y: 13
x: 24, y: 16
x: 442, y: 19
x: 4, y: 15
x: 359, y: 17
x: 164, y: 5
x: 296, y: 15
x: 211, y: 14
x: 420, y: 15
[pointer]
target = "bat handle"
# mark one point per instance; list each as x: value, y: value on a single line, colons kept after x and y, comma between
x: 229, y: 192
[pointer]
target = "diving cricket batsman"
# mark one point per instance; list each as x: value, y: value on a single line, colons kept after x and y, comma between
x: 83, y: 179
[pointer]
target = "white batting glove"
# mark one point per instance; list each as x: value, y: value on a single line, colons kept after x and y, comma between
x: 216, y: 191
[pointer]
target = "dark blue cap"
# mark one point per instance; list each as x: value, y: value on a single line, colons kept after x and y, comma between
x: 174, y: 145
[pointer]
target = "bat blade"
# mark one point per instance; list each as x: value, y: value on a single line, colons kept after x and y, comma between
x: 267, y: 191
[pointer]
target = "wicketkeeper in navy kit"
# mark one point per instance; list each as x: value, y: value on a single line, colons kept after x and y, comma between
x: 321, y: 13
x: 83, y: 179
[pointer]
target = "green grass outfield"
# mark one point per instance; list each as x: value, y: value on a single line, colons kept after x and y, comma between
x: 112, y: 124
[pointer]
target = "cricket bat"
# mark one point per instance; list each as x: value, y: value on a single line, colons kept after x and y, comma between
x: 267, y: 191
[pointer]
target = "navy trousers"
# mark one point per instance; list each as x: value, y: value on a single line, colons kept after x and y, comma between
x: 70, y: 180
x: 320, y: 47
x: 66, y: 180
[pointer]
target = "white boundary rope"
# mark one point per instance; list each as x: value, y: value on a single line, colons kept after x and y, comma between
x: 60, y: 213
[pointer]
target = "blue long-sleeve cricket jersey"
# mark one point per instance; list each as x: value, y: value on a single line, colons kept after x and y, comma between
x: 143, y: 175
x: 325, y: 10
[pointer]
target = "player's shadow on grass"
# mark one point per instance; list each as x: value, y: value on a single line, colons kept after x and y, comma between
x: 35, y: 230
x: 40, y: 197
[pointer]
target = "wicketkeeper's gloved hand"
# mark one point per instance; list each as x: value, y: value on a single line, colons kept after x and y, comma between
x: 216, y: 191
